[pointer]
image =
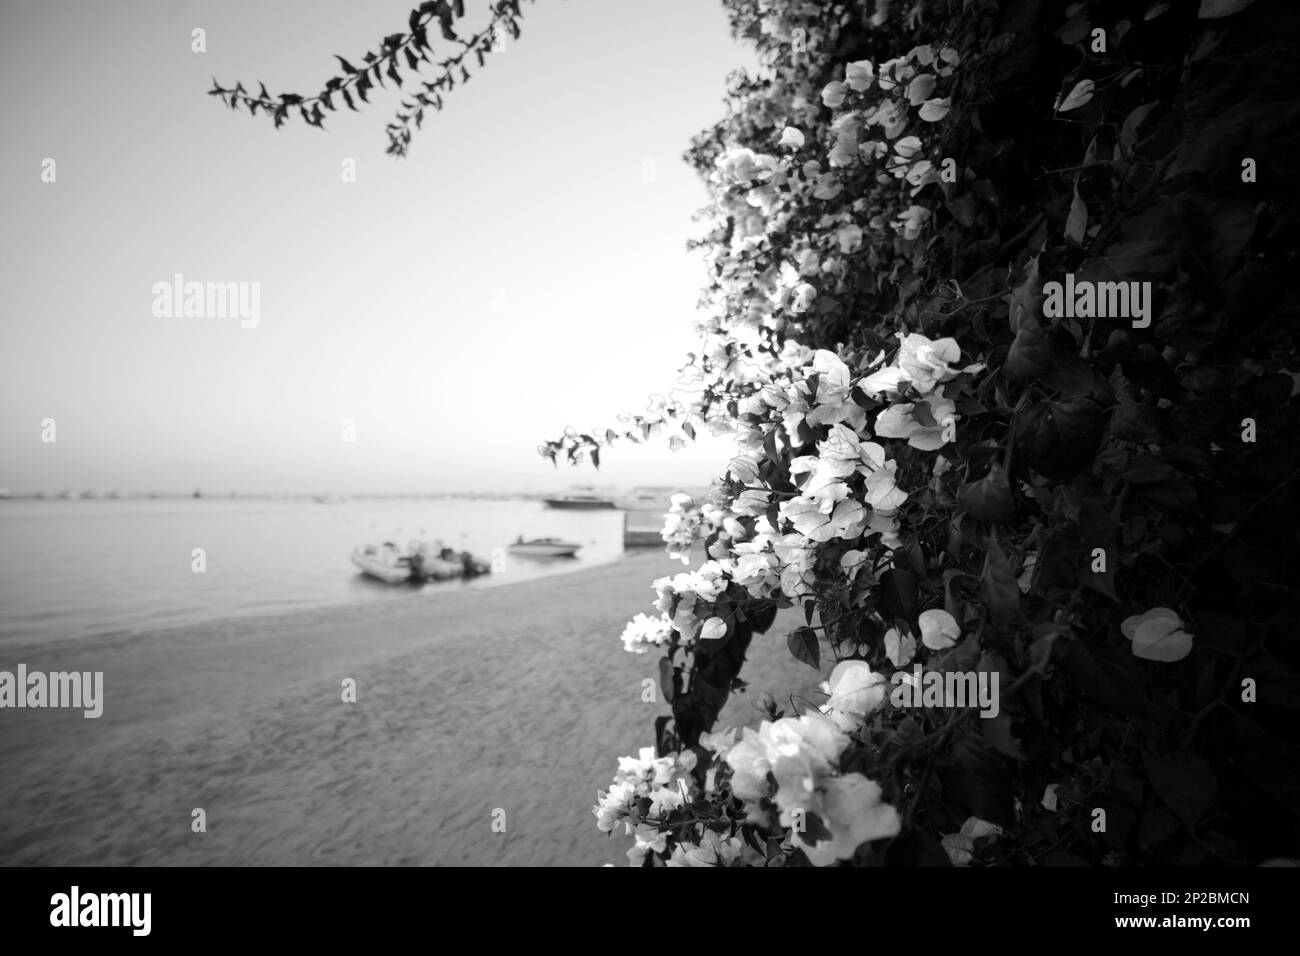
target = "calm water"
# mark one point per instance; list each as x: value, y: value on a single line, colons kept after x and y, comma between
x: 72, y: 569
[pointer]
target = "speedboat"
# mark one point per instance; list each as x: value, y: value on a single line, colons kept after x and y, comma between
x: 385, y: 563
x: 544, y: 548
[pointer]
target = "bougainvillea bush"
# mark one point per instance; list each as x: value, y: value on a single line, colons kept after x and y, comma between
x: 1002, y: 317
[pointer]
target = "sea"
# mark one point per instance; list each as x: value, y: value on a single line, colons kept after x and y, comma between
x: 74, y: 569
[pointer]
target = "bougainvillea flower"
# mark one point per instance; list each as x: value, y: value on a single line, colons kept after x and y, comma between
x: 1157, y: 635
x: 860, y: 75
x: 936, y: 109
x: 833, y: 94
x: 855, y: 690
x: 791, y: 138
x: 853, y: 812
x: 928, y: 363
x: 939, y: 629
x: 899, y: 648
x: 960, y: 847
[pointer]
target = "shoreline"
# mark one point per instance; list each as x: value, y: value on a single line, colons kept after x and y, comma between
x: 464, y: 706
x: 431, y: 592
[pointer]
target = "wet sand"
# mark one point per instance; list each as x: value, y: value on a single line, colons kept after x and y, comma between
x: 518, y: 698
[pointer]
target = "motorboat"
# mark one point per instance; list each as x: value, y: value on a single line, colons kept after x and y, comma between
x: 421, y: 561
x: 544, y: 548
x: 579, y: 502
x: 385, y: 563
x: 435, y: 561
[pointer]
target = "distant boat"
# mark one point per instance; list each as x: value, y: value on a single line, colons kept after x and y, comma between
x: 645, y: 499
x: 197, y: 493
x: 583, y: 502
x: 544, y: 548
x: 5, y: 493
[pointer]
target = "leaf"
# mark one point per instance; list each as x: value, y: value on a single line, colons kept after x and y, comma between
x: 1081, y: 95
x: 1128, y: 132
x: 802, y: 642
x: 977, y: 778
x: 1000, y: 591
x: 1106, y: 678
x: 1059, y: 439
x: 1184, y: 781
x: 1030, y: 355
x: 989, y: 499
x: 1213, y: 9
x: 666, y: 678
x: 1026, y: 301
x: 997, y: 731
x: 1076, y: 224
x: 346, y: 65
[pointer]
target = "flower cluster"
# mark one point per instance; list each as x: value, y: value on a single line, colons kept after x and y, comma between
x: 643, y: 633
x: 646, y: 789
x: 790, y: 768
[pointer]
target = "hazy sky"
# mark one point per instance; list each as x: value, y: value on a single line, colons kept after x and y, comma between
x: 515, y: 274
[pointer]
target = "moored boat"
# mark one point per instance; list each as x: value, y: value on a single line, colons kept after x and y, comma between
x: 422, y: 561
x: 583, y: 502
x: 384, y: 563
x: 544, y: 548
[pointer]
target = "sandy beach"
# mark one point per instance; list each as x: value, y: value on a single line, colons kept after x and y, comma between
x: 517, y: 698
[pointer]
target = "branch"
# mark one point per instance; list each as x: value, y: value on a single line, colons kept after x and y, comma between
x: 413, y: 48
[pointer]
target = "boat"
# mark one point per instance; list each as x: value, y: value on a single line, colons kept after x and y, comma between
x: 543, y: 548
x: 584, y: 502
x: 384, y: 563
x: 422, y: 561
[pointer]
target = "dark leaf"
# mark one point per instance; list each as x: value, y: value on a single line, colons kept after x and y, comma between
x: 977, y: 778
x: 999, y: 589
x: 803, y: 644
x: 1030, y: 355
x: 1184, y: 781
x: 666, y: 676
x: 989, y: 499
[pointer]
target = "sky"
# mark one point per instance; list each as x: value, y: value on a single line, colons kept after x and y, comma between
x: 524, y: 269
